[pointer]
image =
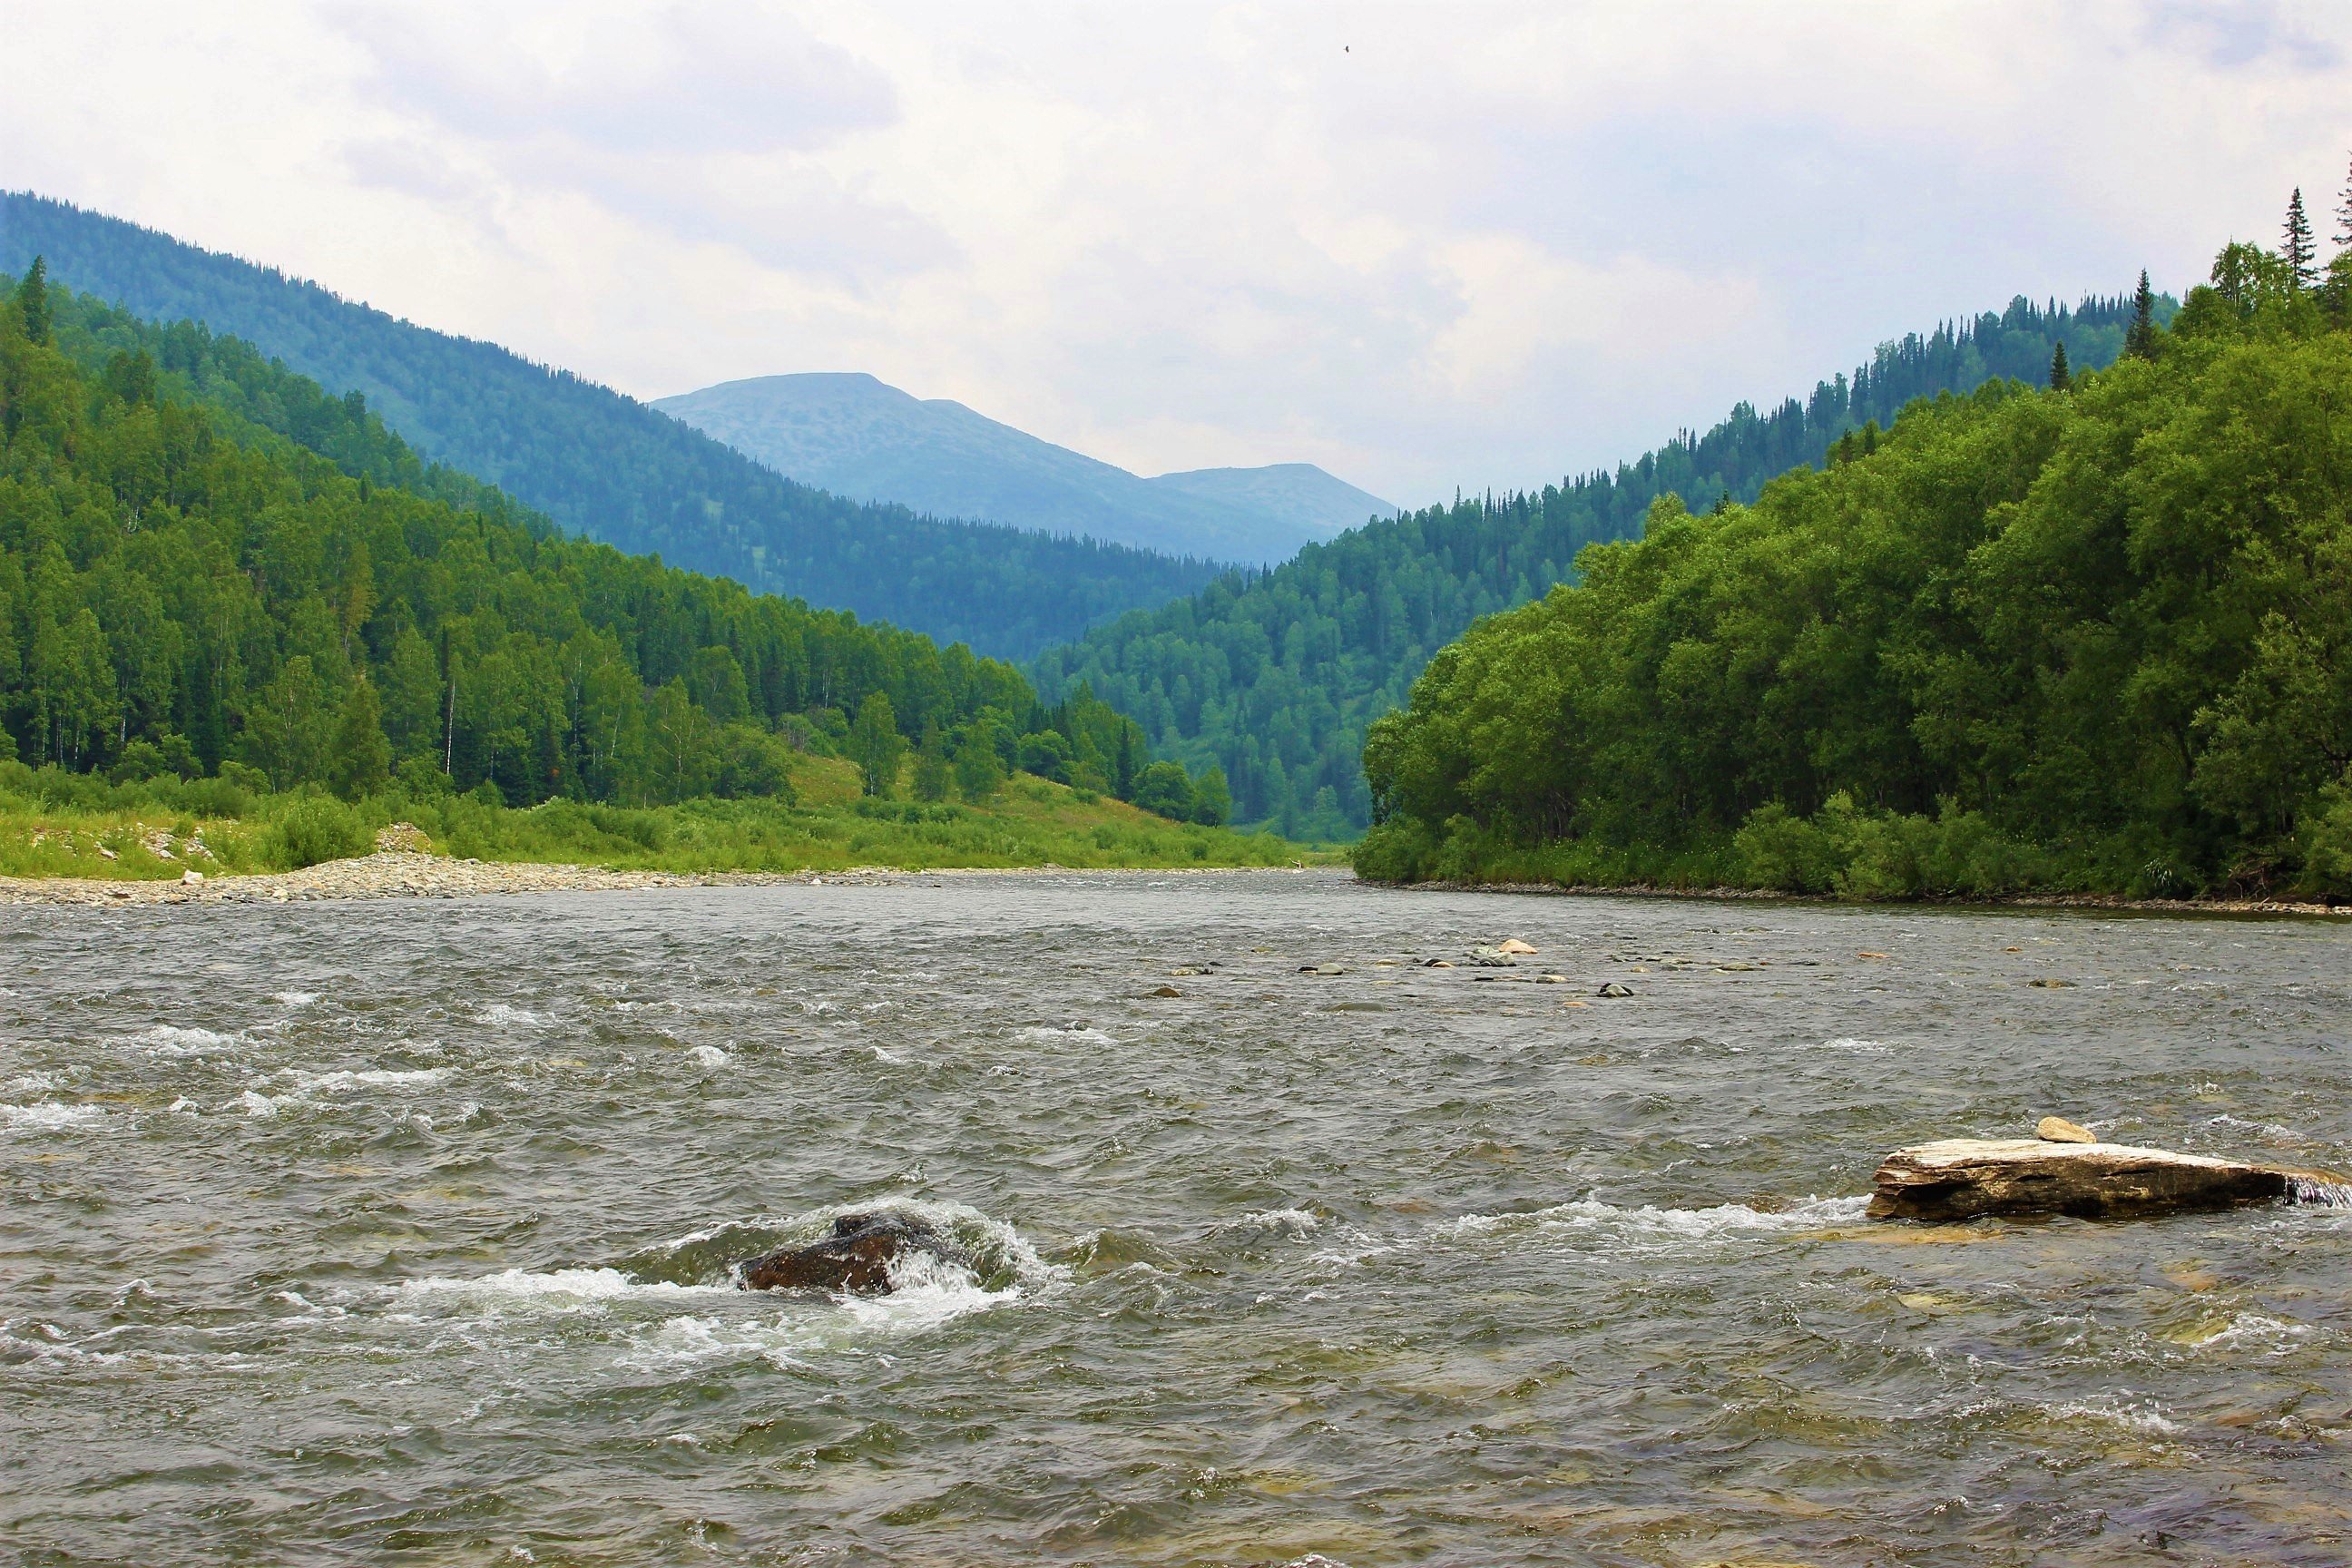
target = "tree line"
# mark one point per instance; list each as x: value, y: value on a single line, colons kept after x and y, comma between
x: 1275, y: 677
x: 208, y: 564
x: 2092, y: 637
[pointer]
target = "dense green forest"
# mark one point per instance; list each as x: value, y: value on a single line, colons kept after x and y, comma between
x: 208, y: 565
x: 1276, y: 676
x: 2093, y: 638
x: 605, y: 466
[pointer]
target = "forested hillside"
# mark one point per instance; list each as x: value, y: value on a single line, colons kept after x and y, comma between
x: 605, y: 466
x: 2096, y: 637
x: 1276, y: 676
x: 208, y: 564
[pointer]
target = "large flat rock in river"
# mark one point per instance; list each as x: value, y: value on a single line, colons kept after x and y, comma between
x: 1963, y: 1178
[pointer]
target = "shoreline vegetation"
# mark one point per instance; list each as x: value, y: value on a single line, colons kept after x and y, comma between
x: 2084, y: 642
x: 152, y: 834
x: 2083, y: 902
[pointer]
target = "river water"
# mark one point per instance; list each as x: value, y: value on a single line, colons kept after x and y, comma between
x: 399, y: 1232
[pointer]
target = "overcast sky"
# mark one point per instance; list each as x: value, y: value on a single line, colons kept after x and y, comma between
x: 1425, y: 246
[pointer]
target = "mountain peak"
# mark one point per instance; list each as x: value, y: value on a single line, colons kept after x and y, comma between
x: 856, y: 436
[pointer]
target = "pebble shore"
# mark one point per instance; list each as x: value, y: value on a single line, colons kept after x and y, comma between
x: 386, y: 874
x: 411, y: 874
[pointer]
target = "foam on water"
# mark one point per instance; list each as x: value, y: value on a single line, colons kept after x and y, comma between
x: 1071, y: 1034
x: 369, y: 1077
x: 1609, y: 1222
x: 2253, y: 1331
x: 710, y: 1056
x: 1297, y: 1222
x: 547, y: 1290
x: 505, y: 1015
x: 173, y: 1040
x: 2120, y: 1410
x: 48, y: 1116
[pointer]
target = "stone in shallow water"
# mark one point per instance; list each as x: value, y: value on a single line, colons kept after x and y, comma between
x: 2058, y: 1129
x: 1965, y: 1178
x: 857, y: 1258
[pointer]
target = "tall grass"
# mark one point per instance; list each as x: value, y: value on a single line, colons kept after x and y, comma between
x: 55, y: 824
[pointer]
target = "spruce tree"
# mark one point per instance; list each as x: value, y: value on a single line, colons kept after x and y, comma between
x: 2139, y: 338
x: 33, y: 300
x: 2343, y: 235
x: 2060, y: 379
x: 361, y: 758
x: 2302, y: 255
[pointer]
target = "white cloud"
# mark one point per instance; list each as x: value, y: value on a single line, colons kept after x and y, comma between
x: 1425, y: 245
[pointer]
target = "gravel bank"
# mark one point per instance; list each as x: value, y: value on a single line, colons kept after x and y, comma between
x: 409, y: 874
x: 387, y: 874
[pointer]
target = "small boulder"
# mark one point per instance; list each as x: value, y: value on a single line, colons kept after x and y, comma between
x: 855, y: 1259
x: 191, y: 878
x: 1167, y: 990
x: 108, y: 854
x: 1320, y: 969
x: 1614, y: 989
x: 1516, y: 948
x: 2058, y: 1129
x: 1439, y: 963
x: 1966, y: 1178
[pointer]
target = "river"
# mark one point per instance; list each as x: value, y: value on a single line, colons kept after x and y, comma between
x: 399, y: 1232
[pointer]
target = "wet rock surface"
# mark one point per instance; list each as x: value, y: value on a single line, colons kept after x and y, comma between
x: 857, y: 1257
x: 1969, y: 1178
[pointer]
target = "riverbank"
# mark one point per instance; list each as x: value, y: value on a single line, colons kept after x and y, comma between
x: 1767, y: 895
x: 148, y: 837
x: 411, y: 874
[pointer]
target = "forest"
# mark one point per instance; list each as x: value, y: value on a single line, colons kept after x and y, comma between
x: 2094, y: 636
x: 211, y: 566
x: 1275, y: 677
x: 607, y: 467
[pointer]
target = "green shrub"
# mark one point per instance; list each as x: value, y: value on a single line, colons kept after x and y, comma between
x: 316, y: 827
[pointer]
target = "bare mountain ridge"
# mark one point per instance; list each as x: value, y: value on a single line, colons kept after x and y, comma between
x: 861, y: 437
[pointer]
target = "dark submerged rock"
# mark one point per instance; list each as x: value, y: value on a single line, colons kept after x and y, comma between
x: 855, y: 1259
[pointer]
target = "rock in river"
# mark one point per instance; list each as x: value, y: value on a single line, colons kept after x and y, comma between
x: 1964, y: 1178
x: 857, y: 1258
x: 2058, y: 1129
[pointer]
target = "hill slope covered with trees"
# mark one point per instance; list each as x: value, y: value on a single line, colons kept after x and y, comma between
x: 1276, y: 676
x: 606, y: 466
x: 208, y: 564
x: 2097, y: 639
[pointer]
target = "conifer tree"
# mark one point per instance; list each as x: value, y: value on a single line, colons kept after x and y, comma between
x: 2139, y: 338
x: 2302, y: 255
x: 33, y: 300
x: 360, y: 759
x: 2343, y: 235
x: 2060, y: 379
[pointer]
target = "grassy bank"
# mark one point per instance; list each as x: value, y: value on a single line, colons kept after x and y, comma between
x: 54, y: 824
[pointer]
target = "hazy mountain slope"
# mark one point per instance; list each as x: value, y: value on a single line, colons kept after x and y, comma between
x: 605, y: 466
x: 1276, y: 676
x: 1300, y: 494
x: 858, y: 437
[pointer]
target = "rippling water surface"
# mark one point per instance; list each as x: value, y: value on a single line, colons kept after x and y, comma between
x: 400, y: 1232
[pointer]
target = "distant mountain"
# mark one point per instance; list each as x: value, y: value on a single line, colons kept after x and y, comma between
x: 1300, y: 494
x: 606, y: 466
x: 858, y: 437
